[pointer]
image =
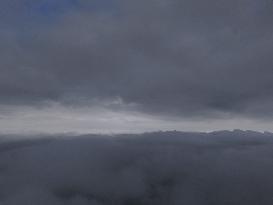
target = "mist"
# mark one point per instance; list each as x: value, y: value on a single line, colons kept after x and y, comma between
x: 190, y: 168
x: 142, y: 67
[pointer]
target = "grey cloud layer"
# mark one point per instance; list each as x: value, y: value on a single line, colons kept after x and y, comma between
x: 186, y: 57
x: 153, y: 168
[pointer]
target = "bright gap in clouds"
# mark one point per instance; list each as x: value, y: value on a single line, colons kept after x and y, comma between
x: 57, y: 118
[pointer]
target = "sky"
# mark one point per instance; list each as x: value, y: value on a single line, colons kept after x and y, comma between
x: 113, y: 66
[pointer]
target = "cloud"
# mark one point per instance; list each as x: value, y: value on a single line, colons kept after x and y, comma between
x: 184, y: 58
x: 108, y: 118
x: 153, y: 168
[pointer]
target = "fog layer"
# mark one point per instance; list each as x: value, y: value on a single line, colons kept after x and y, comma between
x: 150, y: 169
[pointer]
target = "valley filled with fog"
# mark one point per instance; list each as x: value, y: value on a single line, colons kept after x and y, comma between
x: 174, y: 168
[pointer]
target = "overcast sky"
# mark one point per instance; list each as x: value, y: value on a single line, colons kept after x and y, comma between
x: 133, y: 66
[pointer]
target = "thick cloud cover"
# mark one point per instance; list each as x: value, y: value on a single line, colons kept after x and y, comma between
x: 154, y: 168
x: 186, y: 57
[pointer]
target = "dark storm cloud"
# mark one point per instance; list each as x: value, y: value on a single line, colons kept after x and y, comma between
x: 188, y: 57
x: 153, y: 168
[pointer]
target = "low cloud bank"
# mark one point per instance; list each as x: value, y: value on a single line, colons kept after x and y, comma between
x: 150, y: 169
